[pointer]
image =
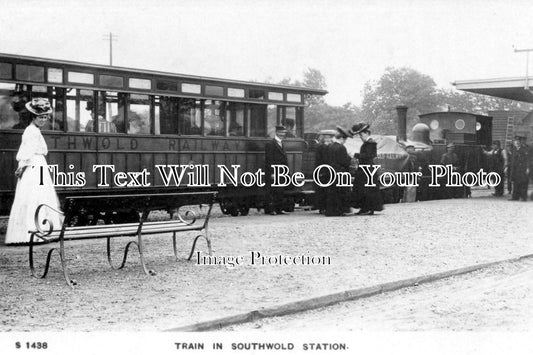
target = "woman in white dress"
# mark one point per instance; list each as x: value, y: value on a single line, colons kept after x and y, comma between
x: 30, y: 193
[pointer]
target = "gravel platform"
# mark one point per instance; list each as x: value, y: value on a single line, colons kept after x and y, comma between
x: 403, y: 241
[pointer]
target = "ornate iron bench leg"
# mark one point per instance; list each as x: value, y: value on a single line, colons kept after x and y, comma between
x: 206, y: 236
x: 174, y: 247
x: 125, y: 257
x: 141, y: 246
x: 47, y: 265
x: 70, y: 282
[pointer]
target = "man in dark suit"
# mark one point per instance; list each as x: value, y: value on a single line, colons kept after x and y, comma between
x: 520, y: 170
x: 275, y: 155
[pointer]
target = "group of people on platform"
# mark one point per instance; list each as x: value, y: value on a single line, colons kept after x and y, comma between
x: 334, y: 200
x: 513, y: 163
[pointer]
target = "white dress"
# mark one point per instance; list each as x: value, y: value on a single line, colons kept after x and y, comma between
x: 30, y: 193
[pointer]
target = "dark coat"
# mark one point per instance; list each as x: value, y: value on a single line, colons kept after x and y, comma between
x: 337, y: 199
x: 368, y: 198
x: 450, y: 159
x: 320, y: 192
x: 337, y: 157
x: 321, y: 154
x: 274, y: 155
x: 369, y: 150
x: 519, y: 164
x: 497, y: 161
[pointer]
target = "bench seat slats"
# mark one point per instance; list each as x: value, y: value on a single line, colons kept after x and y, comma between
x: 129, y: 229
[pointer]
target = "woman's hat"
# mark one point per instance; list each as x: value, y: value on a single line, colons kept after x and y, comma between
x: 344, y: 132
x: 360, y: 127
x: 39, y: 106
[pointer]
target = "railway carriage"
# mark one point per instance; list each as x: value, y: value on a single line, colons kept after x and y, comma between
x: 137, y: 119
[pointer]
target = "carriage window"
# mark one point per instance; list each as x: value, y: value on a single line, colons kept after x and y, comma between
x: 235, y: 116
x: 13, y: 113
x: 167, y: 107
x: 256, y: 94
x: 289, y: 121
x: 6, y: 70
x: 55, y: 75
x: 166, y: 85
x: 80, y: 110
x: 140, y: 83
x: 56, y: 96
x: 82, y: 78
x: 139, y: 114
x: 191, y: 88
x: 110, y: 113
x: 111, y: 80
x: 233, y: 92
x: 294, y: 97
x: 275, y: 96
x: 214, y: 118
x: 29, y: 73
x: 214, y: 90
x: 272, y: 119
x: 257, y: 120
x: 157, y: 121
x: 190, y: 116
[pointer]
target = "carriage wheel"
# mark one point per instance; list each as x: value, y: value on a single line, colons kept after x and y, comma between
x: 234, y: 211
x: 244, y: 210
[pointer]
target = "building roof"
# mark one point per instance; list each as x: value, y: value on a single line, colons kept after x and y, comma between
x: 505, y: 88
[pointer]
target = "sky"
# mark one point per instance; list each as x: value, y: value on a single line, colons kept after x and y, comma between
x: 350, y: 42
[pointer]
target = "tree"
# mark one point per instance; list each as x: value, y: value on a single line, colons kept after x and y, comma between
x: 397, y: 86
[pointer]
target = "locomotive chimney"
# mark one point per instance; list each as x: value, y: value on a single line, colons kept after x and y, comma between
x: 402, y: 122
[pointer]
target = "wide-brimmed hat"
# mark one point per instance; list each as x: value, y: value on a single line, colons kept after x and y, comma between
x: 281, y: 128
x: 450, y: 145
x: 39, y: 106
x: 344, y: 132
x: 360, y: 127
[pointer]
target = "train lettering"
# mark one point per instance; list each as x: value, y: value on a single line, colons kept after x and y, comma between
x: 106, y: 143
x: 87, y: 141
x: 215, y: 145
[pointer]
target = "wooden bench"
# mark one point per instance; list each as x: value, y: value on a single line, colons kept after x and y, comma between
x: 142, y: 204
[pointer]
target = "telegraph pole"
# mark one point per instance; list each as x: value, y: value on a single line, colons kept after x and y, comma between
x: 526, y: 86
x: 110, y: 37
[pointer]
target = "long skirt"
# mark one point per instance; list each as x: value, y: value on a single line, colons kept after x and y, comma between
x: 368, y: 198
x: 28, y: 195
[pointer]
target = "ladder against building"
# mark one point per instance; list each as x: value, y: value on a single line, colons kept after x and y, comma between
x: 509, y: 131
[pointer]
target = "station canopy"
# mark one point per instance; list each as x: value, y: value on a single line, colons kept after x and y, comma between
x: 516, y: 89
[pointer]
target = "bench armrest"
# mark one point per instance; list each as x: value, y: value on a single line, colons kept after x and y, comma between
x: 191, y: 216
x: 49, y: 225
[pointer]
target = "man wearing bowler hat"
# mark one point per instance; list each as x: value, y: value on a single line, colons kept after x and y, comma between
x: 275, y: 155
